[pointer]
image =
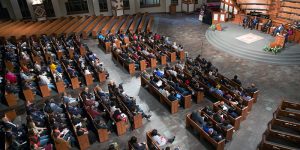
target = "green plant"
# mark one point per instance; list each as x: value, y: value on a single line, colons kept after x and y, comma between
x: 213, y: 27
x: 273, y: 50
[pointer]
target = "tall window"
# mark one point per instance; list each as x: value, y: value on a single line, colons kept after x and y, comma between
x: 3, y: 13
x: 24, y: 9
x: 174, y: 2
x: 126, y: 4
x: 49, y: 8
x: 149, y: 3
x: 103, y: 5
x: 76, y: 7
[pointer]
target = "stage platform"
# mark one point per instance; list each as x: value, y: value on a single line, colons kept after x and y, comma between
x: 249, y: 44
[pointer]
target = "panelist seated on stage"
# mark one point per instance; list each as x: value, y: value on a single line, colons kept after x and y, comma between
x: 246, y: 21
x: 266, y: 26
x: 254, y: 23
x: 279, y: 29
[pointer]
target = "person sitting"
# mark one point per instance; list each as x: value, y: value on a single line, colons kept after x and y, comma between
x: 68, y: 99
x: 198, y: 118
x: 278, y: 30
x: 236, y: 80
x: 254, y: 23
x: 252, y: 88
x: 245, y: 22
x: 267, y: 26
x: 159, y: 139
x: 208, y: 128
x: 137, y: 146
x: 80, y: 131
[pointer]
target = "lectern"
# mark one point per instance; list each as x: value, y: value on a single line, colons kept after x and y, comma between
x: 279, y: 41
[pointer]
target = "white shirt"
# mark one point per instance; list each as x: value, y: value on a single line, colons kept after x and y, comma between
x: 86, y: 72
x: 44, y: 79
x: 160, y: 140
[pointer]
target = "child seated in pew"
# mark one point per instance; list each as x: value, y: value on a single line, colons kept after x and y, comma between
x: 160, y: 139
x: 136, y: 145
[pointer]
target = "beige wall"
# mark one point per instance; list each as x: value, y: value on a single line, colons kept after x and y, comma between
x: 60, y: 9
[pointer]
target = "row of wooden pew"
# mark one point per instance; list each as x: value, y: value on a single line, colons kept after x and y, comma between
x: 283, y: 130
x: 78, y: 25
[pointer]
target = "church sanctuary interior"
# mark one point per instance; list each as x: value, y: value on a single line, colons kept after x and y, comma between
x: 150, y: 74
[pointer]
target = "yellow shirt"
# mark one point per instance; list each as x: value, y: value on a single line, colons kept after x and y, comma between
x: 52, y: 66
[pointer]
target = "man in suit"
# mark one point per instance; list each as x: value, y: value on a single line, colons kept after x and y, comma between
x: 254, y: 23
x: 278, y: 29
x: 267, y: 26
x: 245, y: 22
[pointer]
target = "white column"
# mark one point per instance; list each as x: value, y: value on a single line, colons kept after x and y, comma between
x: 90, y: 4
x: 29, y: 4
x: 56, y: 8
x: 96, y: 7
x: 16, y: 9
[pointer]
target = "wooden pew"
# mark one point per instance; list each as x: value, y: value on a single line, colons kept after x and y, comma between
x: 60, y: 86
x: 74, y: 81
x: 83, y: 140
x: 85, y: 24
x: 150, y: 24
x: 186, y: 98
x: 143, y: 21
x: 103, y: 134
x: 130, y: 67
x: 136, y: 119
x: 87, y: 78
x: 120, y: 125
x: 115, y: 27
x: 125, y: 25
x: 191, y: 124
x: 45, y: 91
x: 66, y: 26
x: 96, y: 30
x: 164, y: 100
x: 227, y: 132
x: 11, y: 115
x: 11, y: 99
x: 287, y: 116
x: 70, y: 31
x: 28, y: 94
x: 49, y: 26
x: 90, y: 27
x: 105, y: 30
x: 135, y: 23
x: 100, y: 75
x: 290, y: 106
x: 151, y: 144
x: 56, y: 27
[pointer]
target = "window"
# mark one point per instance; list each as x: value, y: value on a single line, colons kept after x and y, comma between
x: 174, y: 2
x: 196, y: 1
x: 3, y: 13
x: 149, y: 3
x: 76, y: 7
x: 49, y: 8
x: 103, y: 5
x: 24, y: 9
x: 126, y: 5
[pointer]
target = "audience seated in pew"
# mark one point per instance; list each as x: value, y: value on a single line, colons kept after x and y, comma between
x: 136, y: 145
x: 160, y: 139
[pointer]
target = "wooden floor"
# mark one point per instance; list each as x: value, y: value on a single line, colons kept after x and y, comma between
x: 79, y: 25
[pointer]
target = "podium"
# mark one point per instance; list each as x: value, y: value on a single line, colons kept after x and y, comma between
x: 279, y: 41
